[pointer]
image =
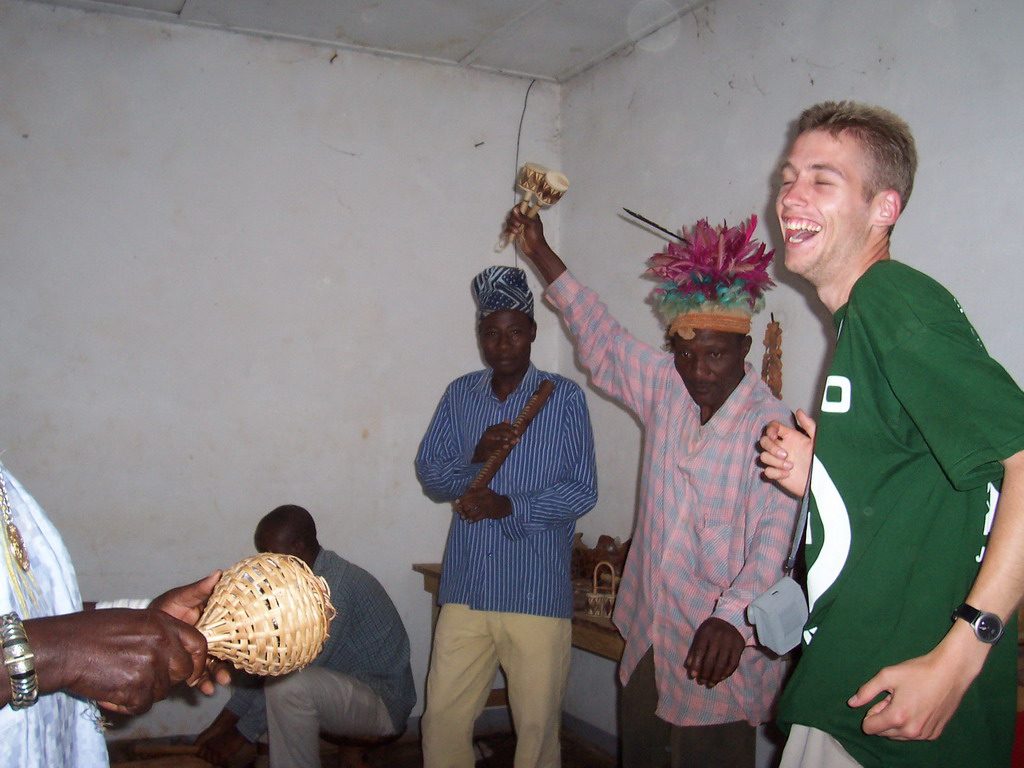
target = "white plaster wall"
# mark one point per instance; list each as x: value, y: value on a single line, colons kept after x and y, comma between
x: 692, y: 122
x: 235, y: 275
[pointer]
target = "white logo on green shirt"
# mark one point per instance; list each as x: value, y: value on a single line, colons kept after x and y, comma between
x: 993, y: 500
x: 838, y: 391
x: 836, y: 536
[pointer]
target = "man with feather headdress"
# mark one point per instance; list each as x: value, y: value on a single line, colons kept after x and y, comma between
x: 711, y: 534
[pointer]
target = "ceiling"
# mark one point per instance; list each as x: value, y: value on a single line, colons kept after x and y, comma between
x: 552, y: 40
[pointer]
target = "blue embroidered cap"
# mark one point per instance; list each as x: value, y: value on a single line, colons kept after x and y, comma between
x: 498, y: 288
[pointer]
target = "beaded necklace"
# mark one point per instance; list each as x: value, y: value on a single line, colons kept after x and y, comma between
x: 19, y: 567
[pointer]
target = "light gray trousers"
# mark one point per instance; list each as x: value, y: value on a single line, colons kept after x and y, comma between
x: 304, y: 703
x: 812, y: 748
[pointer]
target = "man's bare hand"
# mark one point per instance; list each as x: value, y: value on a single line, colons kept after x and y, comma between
x: 495, y: 438
x: 714, y: 653
x: 528, y: 233
x: 481, y: 504
x: 124, y: 659
x: 529, y: 237
x: 787, y: 452
x: 922, y: 693
x: 187, y: 604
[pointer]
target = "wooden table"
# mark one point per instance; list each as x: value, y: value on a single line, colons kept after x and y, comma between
x: 591, y: 633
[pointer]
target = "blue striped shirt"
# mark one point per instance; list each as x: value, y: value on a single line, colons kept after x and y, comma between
x: 520, y: 563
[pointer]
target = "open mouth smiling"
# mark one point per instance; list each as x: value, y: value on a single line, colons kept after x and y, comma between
x: 800, y: 230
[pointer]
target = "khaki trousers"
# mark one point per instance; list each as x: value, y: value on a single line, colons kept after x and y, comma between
x: 534, y: 652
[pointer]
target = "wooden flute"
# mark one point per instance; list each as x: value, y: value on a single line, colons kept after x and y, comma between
x: 495, y: 460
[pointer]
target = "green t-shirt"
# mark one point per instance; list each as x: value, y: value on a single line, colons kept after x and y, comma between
x: 915, y: 419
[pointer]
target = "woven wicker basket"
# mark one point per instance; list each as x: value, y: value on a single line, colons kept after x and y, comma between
x: 269, y: 615
x: 601, y: 599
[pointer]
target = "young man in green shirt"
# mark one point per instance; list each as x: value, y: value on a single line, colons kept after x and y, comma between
x: 917, y: 471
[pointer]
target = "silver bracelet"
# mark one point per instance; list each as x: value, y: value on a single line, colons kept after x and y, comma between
x: 20, y: 662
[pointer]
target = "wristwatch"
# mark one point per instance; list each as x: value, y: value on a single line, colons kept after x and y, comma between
x: 987, y: 626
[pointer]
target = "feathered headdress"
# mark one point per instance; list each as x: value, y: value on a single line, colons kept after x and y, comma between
x: 716, y: 278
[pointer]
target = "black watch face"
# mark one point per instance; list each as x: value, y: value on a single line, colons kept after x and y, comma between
x: 988, y: 628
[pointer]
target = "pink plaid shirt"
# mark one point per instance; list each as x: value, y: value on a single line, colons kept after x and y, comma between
x: 710, y: 534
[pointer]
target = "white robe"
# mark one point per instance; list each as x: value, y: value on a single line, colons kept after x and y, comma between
x: 59, y: 730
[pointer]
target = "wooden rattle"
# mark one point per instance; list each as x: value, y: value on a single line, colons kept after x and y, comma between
x: 540, y: 186
x: 268, y: 615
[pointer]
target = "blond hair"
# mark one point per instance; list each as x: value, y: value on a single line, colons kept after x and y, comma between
x: 886, y: 138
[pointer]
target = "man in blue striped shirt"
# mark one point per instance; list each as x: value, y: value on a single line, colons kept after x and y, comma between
x: 506, y: 593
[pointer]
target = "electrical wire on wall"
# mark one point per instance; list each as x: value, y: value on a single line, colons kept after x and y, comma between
x: 519, y: 138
